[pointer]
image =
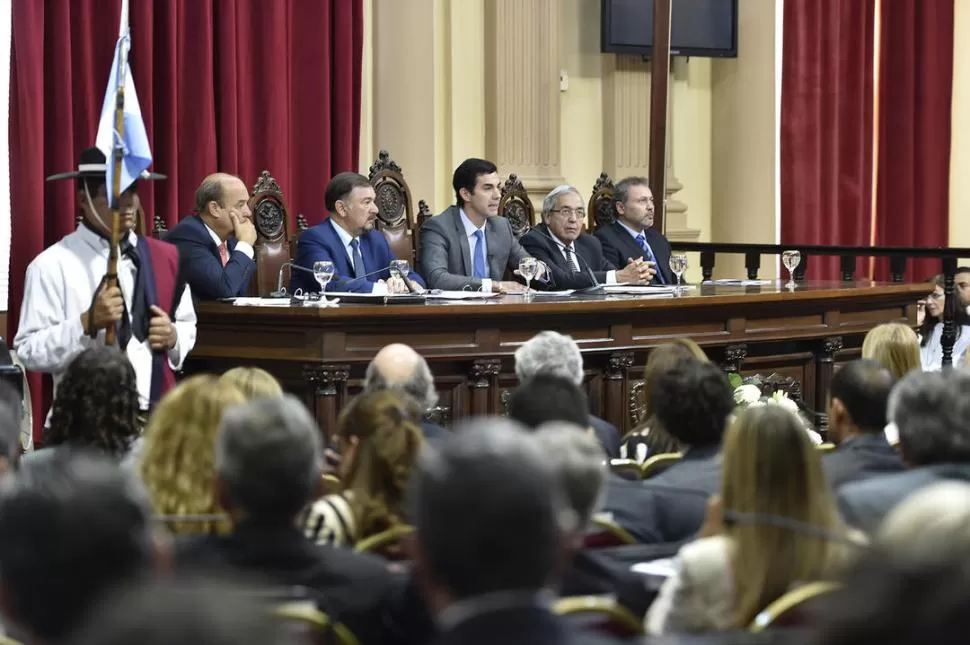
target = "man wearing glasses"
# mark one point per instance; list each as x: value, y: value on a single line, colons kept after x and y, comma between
x: 575, y: 257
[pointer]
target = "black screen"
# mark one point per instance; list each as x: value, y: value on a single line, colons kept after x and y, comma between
x: 698, y: 27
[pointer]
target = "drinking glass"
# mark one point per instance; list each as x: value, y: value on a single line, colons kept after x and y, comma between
x: 400, y: 269
x: 323, y: 272
x: 678, y: 264
x: 791, y: 260
x: 528, y: 269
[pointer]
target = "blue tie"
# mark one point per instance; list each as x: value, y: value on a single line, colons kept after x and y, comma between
x: 358, y: 260
x: 648, y: 252
x: 478, y: 264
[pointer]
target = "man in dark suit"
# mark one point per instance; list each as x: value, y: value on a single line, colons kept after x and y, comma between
x: 360, y: 254
x: 858, y: 398
x: 575, y: 258
x: 468, y: 245
x: 398, y: 367
x: 216, y: 244
x: 932, y: 412
x: 267, y: 465
x: 632, y: 235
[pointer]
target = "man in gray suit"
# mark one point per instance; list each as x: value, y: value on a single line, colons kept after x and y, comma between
x: 932, y: 412
x: 467, y: 245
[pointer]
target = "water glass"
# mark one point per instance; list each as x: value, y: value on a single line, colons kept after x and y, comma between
x: 323, y: 272
x: 791, y: 260
x: 528, y: 269
x: 678, y: 264
x: 400, y: 269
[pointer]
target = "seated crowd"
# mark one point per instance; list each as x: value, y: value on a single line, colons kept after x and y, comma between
x: 228, y: 508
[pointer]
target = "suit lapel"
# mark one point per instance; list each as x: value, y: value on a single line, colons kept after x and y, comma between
x: 466, y: 254
x: 556, y: 252
x: 493, y: 242
x: 337, y: 252
x: 626, y: 241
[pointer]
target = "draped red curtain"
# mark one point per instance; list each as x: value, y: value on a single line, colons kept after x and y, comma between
x: 913, y: 165
x: 826, y: 126
x: 230, y: 85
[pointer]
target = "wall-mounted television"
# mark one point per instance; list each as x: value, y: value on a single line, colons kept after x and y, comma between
x: 707, y: 28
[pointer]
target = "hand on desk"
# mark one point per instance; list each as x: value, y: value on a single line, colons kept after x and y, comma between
x: 508, y: 287
x: 637, y: 271
x: 397, y: 285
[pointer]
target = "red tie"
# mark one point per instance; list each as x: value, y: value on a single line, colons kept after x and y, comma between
x: 224, y: 254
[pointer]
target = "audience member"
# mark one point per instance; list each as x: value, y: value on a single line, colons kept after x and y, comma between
x: 895, y: 346
x: 177, y: 455
x: 253, y: 382
x: 379, y: 442
x: 267, y: 468
x: 545, y: 398
x: 929, y: 310
x: 399, y: 368
x: 11, y: 436
x: 550, y: 352
x: 933, y: 521
x: 932, y: 412
x: 742, y: 563
x: 72, y: 527
x: 858, y: 398
x: 931, y: 345
x: 96, y: 403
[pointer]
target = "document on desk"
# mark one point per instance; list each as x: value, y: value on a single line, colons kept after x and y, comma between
x: 737, y: 282
x: 459, y: 295
x: 261, y: 302
x: 647, y: 291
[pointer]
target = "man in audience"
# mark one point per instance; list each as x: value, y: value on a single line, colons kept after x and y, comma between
x: 72, y: 527
x: 11, y: 437
x: 858, y: 398
x: 491, y: 531
x: 268, y: 467
x: 632, y: 236
x: 932, y: 412
x: 552, y: 353
x: 575, y: 258
x: 468, y: 245
x: 360, y: 254
x: 961, y: 285
x: 216, y: 244
x: 398, y: 367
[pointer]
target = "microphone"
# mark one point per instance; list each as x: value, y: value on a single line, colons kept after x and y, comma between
x: 597, y: 287
x: 281, y: 292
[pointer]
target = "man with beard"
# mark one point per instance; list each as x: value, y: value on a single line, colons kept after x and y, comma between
x: 632, y: 235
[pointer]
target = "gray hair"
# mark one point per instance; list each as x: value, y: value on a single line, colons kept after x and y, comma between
x: 621, y: 191
x: 419, y: 387
x: 489, y: 511
x: 268, y: 457
x: 578, y: 459
x: 549, y: 353
x: 549, y: 202
x: 932, y: 412
x: 934, y: 520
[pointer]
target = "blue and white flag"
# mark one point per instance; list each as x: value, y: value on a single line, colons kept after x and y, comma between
x: 133, y: 141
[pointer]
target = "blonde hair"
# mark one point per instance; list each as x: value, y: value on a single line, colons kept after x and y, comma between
x: 177, y: 464
x: 771, y: 467
x: 389, y: 441
x: 253, y: 382
x: 895, y: 346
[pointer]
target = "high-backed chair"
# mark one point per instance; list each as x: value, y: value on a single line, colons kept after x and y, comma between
x: 272, y: 245
x: 395, y: 218
x: 600, y: 208
x: 600, y: 614
x: 159, y: 229
x: 658, y: 463
x: 516, y: 206
x: 800, y: 607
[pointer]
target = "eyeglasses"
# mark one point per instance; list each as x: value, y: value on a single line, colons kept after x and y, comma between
x: 570, y: 213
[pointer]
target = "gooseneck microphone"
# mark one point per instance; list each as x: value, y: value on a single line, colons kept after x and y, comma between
x: 597, y: 287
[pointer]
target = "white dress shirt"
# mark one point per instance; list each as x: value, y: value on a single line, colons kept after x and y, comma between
x: 245, y: 247
x: 346, y: 238
x: 610, y: 275
x: 60, y: 286
x: 470, y: 230
x: 931, y: 354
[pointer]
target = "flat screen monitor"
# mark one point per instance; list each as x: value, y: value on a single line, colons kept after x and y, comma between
x: 707, y: 28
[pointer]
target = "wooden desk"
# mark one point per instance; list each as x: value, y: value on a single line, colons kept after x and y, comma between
x: 321, y: 354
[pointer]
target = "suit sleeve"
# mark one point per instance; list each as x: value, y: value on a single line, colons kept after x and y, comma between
x: 610, y: 253
x: 433, y: 261
x: 516, y: 253
x: 204, y: 273
x: 561, y: 277
x: 310, y: 250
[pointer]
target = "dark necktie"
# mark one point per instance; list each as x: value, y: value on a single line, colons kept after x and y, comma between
x: 137, y: 323
x: 571, y: 258
x: 648, y: 254
x: 358, y: 260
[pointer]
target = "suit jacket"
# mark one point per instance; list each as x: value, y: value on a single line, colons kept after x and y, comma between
x: 679, y: 514
x: 608, y: 435
x: 444, y: 254
x: 321, y: 242
x: 352, y: 587
x: 860, y: 458
x: 865, y: 504
x: 201, y: 266
x: 518, y: 626
x: 633, y: 507
x: 589, y: 249
x: 618, y: 245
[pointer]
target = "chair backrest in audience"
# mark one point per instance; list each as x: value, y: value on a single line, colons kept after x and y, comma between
x: 317, y: 625
x: 604, y: 532
x: 601, y: 614
x: 797, y: 608
x: 516, y: 206
x: 658, y: 463
x: 825, y: 447
x: 626, y: 468
x: 600, y: 210
x: 272, y: 247
x: 330, y: 484
x: 387, y: 543
x: 395, y: 216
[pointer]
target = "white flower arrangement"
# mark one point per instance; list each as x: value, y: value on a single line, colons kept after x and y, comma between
x: 748, y: 395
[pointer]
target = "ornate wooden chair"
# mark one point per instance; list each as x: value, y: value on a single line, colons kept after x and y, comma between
x: 272, y: 245
x: 625, y: 468
x: 658, y: 463
x: 516, y: 206
x: 601, y: 614
x: 604, y: 532
x: 395, y: 217
x: 159, y: 230
x: 600, y: 208
x: 315, y: 625
x: 797, y: 608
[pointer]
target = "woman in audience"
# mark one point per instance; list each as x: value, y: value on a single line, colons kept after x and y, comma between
x: 740, y: 564
x: 253, y: 382
x: 931, y: 329
x: 650, y: 438
x: 379, y: 443
x: 97, y: 403
x: 176, y: 461
x: 895, y: 346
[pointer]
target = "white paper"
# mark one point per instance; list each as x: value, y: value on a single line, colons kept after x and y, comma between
x: 642, y: 290
x: 262, y: 302
x: 460, y: 295
x: 565, y: 292
x: 737, y: 282
x: 664, y: 567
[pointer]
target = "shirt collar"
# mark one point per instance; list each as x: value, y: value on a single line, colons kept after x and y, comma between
x: 344, y: 236
x: 470, y: 227
x: 571, y: 246
x: 630, y: 230
x: 99, y: 242
x: 215, y: 236
x: 469, y: 608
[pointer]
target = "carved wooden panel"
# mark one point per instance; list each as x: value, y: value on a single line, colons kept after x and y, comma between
x: 516, y: 206
x: 601, y: 208
x: 395, y: 217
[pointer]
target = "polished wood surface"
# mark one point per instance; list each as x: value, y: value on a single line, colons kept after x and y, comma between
x: 321, y: 353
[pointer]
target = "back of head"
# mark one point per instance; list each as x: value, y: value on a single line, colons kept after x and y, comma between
x: 467, y: 173
x: 253, y: 382
x: 578, y: 460
x: 546, y: 398
x: 662, y: 359
x: 72, y: 526
x: 398, y: 367
x: 96, y: 402
x: 489, y: 512
x: 931, y: 411
x: 692, y: 401
x: 340, y: 188
x: 549, y: 353
x: 894, y: 345
x: 933, y: 521
x: 863, y: 389
x: 268, y: 459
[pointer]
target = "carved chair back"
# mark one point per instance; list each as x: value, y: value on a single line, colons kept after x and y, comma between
x: 516, y: 206
x: 395, y: 217
x: 601, y: 211
x: 272, y: 245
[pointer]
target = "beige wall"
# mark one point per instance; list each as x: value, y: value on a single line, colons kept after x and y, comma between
x: 960, y: 128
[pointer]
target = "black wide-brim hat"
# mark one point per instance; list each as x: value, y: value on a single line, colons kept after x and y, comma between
x: 92, y: 163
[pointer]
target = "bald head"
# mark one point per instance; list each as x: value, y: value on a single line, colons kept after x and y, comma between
x: 398, y: 367
x: 217, y: 196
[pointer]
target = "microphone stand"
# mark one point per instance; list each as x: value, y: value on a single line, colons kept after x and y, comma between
x: 597, y: 287
x: 281, y: 292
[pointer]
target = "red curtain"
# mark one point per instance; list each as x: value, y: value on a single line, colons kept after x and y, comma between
x: 826, y: 126
x: 230, y: 85
x: 913, y: 166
